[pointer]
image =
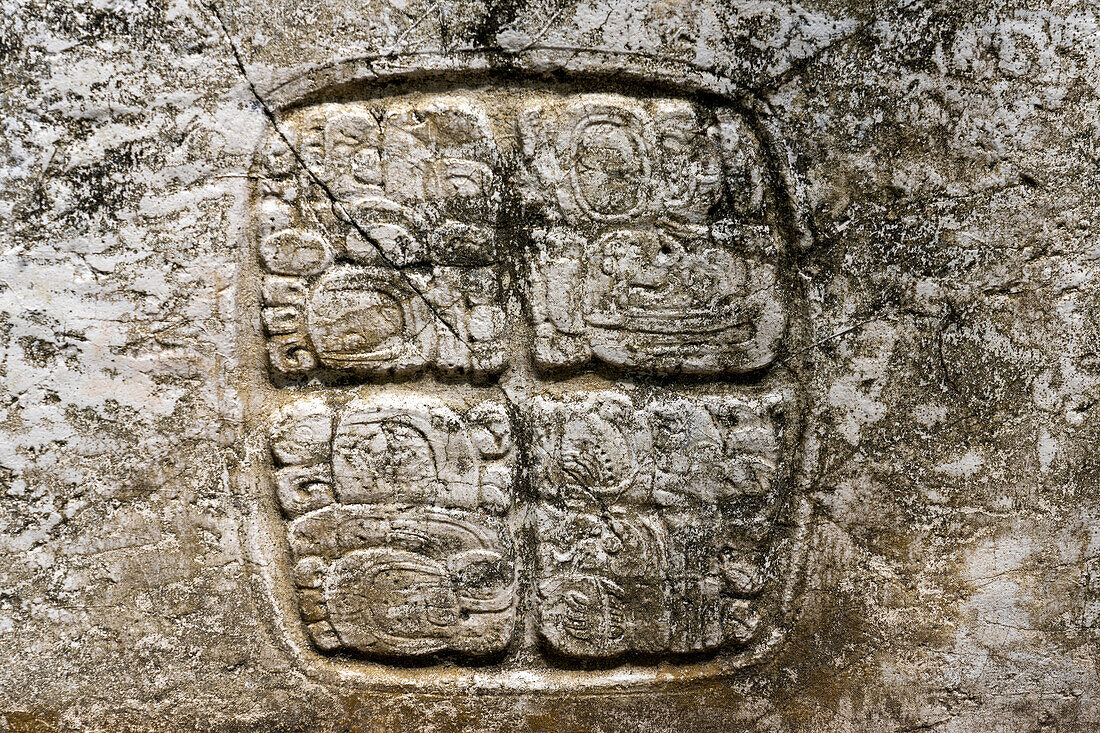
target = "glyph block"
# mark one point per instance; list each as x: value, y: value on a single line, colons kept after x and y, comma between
x: 655, y: 516
x: 378, y: 242
x: 396, y: 520
x: 650, y: 250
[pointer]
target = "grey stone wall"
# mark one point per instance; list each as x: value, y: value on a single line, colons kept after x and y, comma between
x: 933, y: 174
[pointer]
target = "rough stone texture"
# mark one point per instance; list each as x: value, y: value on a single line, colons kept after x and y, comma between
x: 903, y: 537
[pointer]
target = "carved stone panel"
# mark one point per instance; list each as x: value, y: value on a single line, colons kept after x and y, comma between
x: 522, y: 349
x: 550, y: 366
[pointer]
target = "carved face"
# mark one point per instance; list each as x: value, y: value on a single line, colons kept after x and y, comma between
x: 609, y: 171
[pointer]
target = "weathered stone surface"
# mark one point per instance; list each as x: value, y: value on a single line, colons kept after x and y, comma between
x: 549, y: 365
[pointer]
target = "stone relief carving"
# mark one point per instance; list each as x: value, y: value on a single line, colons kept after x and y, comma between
x: 654, y: 518
x: 524, y: 346
x: 636, y: 262
x: 413, y: 232
x: 394, y: 513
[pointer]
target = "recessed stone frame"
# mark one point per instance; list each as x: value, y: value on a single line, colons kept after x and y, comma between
x: 422, y: 271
